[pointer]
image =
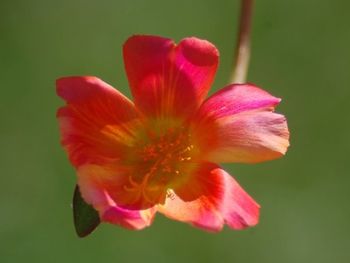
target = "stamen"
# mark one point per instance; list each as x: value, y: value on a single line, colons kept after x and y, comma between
x: 161, y: 156
x: 132, y: 182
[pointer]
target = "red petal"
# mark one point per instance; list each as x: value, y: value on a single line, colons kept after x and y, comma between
x: 210, y: 199
x: 169, y: 80
x: 98, y: 121
x: 98, y: 185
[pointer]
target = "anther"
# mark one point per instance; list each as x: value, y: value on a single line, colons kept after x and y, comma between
x: 170, y: 194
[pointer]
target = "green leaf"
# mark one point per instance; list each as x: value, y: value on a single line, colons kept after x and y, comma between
x: 86, y: 218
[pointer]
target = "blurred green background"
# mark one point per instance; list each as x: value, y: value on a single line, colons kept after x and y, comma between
x: 301, y: 52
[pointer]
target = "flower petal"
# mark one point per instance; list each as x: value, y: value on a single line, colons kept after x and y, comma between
x: 211, y: 199
x: 97, y: 123
x: 237, y: 124
x: 169, y: 80
x: 239, y: 209
x: 237, y: 98
x: 97, y: 184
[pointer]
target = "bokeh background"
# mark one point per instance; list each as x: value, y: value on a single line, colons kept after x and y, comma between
x: 301, y: 52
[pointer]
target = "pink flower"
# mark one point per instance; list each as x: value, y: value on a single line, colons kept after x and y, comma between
x: 159, y: 153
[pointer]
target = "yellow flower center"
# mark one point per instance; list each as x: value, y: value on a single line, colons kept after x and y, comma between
x: 161, y: 158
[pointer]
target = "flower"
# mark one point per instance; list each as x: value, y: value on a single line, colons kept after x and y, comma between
x: 159, y: 153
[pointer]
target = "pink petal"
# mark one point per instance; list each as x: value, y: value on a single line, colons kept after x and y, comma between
x: 131, y: 219
x: 98, y: 121
x: 169, y: 80
x: 211, y: 199
x: 238, y: 98
x: 237, y: 124
x: 239, y: 209
x: 96, y: 184
x: 200, y: 212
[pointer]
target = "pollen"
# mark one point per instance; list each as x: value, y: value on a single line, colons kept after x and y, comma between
x: 161, y: 157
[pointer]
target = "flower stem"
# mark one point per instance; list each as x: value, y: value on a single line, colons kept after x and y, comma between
x: 242, y: 53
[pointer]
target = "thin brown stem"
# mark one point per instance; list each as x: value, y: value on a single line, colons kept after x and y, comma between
x: 242, y: 53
